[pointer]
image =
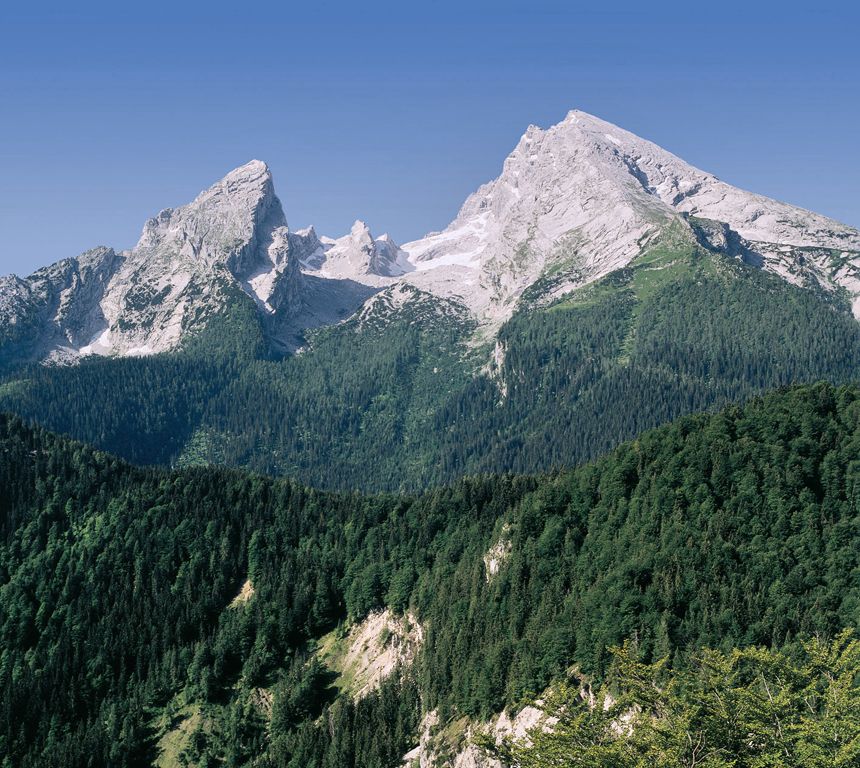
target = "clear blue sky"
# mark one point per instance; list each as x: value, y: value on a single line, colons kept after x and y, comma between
x: 394, y: 112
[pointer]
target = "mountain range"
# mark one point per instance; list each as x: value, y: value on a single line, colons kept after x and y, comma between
x: 573, y: 204
x: 271, y: 498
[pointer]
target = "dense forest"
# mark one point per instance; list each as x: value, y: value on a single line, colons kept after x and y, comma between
x: 717, y: 531
x: 415, y: 401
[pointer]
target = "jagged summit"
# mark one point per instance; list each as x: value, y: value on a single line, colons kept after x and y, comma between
x: 251, y: 170
x: 359, y: 229
x: 229, y: 212
x: 178, y: 276
x: 253, y: 179
x: 699, y: 193
x: 573, y: 202
x: 362, y: 257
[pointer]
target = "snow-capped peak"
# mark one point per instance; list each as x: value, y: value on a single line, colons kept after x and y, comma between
x: 360, y: 230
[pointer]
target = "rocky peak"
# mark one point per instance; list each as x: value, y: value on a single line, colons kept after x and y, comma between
x: 358, y: 255
x: 389, y: 258
x: 307, y: 247
x: 226, y: 224
x: 360, y: 232
x: 181, y: 272
x: 691, y: 191
x: 50, y: 311
x: 573, y: 203
x: 585, y: 197
x: 308, y: 233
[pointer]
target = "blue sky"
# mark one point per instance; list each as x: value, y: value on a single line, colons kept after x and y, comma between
x: 395, y: 112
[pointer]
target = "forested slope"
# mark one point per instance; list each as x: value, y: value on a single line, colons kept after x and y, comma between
x: 414, y: 400
x: 716, y: 530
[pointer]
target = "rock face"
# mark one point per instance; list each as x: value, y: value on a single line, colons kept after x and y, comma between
x: 573, y: 203
x: 584, y: 197
x: 183, y: 271
x: 55, y: 307
x: 180, y: 272
x: 359, y: 255
x: 375, y: 648
x: 452, y: 745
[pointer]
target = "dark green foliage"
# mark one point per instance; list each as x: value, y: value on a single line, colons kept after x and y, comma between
x: 234, y: 333
x: 112, y: 404
x: 722, y: 530
x: 746, y: 708
x: 587, y: 374
x: 374, y: 732
x: 718, y: 530
x: 144, y: 409
x: 401, y: 406
x: 355, y: 412
x: 114, y: 584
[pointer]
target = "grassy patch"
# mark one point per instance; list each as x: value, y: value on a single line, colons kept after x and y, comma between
x: 177, y: 732
x: 12, y: 388
x: 332, y: 651
x: 202, y: 449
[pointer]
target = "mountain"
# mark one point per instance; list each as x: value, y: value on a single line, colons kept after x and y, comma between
x: 385, y: 498
x: 359, y: 254
x: 573, y: 204
x: 358, y: 363
x: 584, y: 198
x: 207, y: 616
x: 185, y: 269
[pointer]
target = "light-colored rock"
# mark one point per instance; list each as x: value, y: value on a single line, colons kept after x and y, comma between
x: 263, y: 699
x: 372, y: 650
x: 573, y: 203
x: 246, y: 592
x: 585, y: 197
x: 496, y: 556
x: 456, y: 740
x: 189, y: 263
x: 358, y: 256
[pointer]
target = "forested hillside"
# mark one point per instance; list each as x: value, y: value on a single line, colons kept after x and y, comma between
x: 119, y: 626
x: 415, y: 399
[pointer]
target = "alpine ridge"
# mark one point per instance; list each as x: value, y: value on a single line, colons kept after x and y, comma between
x: 573, y: 203
x: 584, y: 198
x: 184, y: 269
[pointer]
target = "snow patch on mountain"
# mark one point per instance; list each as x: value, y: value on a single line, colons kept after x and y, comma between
x: 585, y: 197
x: 573, y: 203
x: 358, y: 256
